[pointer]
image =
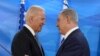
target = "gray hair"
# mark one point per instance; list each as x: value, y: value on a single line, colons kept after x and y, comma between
x: 70, y: 12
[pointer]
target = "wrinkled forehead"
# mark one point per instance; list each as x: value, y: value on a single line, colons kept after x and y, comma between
x: 41, y: 15
x: 42, y: 12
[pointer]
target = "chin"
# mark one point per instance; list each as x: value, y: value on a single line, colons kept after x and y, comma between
x: 39, y: 30
x: 61, y: 32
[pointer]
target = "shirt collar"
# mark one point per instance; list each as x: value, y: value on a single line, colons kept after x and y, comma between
x: 69, y: 32
x: 30, y: 29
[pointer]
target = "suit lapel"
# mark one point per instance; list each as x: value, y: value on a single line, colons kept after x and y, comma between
x: 65, y: 42
x: 39, y: 45
x: 33, y: 40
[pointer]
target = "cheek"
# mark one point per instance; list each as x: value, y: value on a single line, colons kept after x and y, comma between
x: 39, y: 24
x: 60, y: 24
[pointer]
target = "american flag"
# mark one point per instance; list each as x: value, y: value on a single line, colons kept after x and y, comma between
x: 22, y: 13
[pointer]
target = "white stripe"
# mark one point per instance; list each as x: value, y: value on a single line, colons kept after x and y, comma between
x: 65, y: 1
x: 22, y: 1
x: 64, y: 5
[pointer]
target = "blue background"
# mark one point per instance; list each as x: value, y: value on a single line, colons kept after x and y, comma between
x: 89, y: 23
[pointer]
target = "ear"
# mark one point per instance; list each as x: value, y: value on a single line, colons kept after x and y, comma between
x: 31, y: 20
x: 68, y: 19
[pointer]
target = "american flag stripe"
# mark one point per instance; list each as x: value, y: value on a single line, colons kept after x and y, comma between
x: 22, y: 12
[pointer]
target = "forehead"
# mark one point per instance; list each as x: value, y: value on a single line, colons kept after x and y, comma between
x: 41, y: 13
x: 60, y: 16
x: 41, y: 16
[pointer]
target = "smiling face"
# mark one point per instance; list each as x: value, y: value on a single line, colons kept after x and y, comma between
x: 35, y: 18
x: 61, y: 24
x: 67, y: 20
x: 38, y: 21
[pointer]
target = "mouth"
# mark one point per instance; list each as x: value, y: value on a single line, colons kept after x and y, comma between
x: 58, y: 27
x: 40, y: 26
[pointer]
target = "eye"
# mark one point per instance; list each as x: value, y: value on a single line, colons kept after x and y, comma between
x: 42, y: 18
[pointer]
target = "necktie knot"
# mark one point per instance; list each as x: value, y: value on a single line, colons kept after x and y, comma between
x: 62, y: 40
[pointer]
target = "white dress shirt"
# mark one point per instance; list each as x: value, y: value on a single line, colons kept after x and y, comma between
x: 30, y: 29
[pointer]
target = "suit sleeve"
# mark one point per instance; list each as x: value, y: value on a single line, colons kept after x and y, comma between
x: 20, y: 46
x: 72, y: 50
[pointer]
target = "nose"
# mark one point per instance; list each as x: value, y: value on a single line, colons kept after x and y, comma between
x: 57, y: 24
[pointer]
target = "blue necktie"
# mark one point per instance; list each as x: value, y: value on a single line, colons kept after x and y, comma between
x: 62, y: 40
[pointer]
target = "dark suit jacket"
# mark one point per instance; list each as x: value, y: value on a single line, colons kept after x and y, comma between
x: 25, y: 43
x: 74, y: 45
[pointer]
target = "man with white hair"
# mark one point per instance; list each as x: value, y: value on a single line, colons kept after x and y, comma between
x: 25, y: 42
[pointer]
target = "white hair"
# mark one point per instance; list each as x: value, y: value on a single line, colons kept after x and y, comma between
x: 33, y: 10
x: 38, y: 7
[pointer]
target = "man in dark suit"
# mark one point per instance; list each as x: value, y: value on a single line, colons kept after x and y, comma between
x: 73, y: 42
x: 25, y: 42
